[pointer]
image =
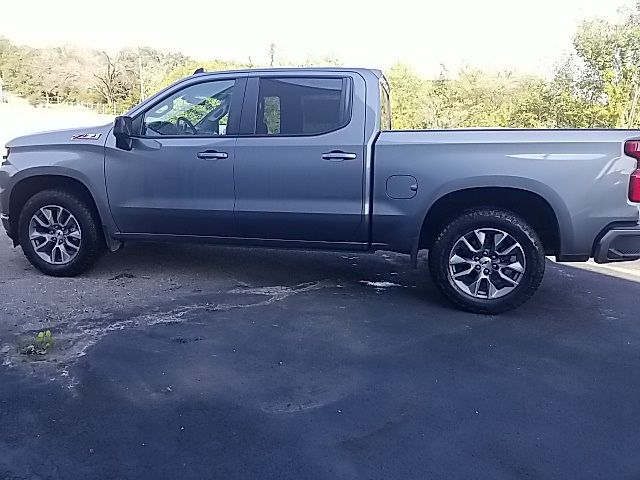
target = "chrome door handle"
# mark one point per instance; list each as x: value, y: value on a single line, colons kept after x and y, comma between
x: 338, y: 156
x: 212, y: 155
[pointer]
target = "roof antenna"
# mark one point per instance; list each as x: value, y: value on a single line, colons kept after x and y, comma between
x: 199, y: 70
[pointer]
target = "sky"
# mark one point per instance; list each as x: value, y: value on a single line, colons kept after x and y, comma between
x: 524, y: 36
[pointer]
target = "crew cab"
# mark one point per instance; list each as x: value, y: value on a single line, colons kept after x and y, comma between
x: 306, y: 158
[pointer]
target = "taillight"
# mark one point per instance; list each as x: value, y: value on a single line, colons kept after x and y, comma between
x: 632, y: 148
x: 634, y: 187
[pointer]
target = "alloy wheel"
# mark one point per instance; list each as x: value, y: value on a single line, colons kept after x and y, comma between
x: 55, y: 234
x: 486, y: 263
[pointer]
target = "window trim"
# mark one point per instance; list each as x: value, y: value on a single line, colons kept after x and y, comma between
x: 250, y: 107
x: 235, y: 109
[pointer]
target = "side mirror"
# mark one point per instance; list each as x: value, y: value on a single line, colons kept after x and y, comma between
x: 123, y: 130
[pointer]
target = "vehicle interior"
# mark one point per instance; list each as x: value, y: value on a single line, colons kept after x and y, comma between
x: 299, y: 106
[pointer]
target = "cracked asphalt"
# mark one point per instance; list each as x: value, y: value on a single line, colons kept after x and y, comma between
x: 208, y: 362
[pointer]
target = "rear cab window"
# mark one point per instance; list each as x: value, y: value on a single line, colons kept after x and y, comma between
x: 292, y: 106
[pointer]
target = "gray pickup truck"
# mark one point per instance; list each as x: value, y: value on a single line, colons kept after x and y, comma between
x: 305, y: 158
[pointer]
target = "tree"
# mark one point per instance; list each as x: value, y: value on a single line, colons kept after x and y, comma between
x: 485, y: 99
x: 57, y: 71
x: 16, y: 68
x: 408, y: 98
x: 146, y: 69
x: 598, y: 85
x: 472, y: 98
x: 272, y: 54
x: 110, y: 79
x: 188, y: 67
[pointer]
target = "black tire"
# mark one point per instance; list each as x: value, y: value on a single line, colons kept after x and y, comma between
x: 91, y: 244
x: 487, y: 218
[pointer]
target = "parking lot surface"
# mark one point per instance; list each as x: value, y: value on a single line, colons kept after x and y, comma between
x: 208, y: 362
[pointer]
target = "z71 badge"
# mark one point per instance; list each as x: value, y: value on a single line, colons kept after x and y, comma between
x: 86, y: 136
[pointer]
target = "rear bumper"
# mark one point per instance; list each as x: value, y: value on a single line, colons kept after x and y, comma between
x: 619, y: 244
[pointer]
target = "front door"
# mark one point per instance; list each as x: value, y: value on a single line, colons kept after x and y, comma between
x: 178, y: 177
x: 300, y: 159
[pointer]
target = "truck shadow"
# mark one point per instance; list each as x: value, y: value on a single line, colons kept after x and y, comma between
x: 565, y: 290
x: 379, y: 272
x: 291, y: 265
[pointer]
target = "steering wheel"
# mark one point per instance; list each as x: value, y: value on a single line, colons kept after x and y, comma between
x: 184, y: 125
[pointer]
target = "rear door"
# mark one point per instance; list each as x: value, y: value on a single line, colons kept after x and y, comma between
x: 300, y: 158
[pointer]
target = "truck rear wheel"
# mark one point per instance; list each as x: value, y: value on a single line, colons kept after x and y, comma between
x: 59, y: 234
x: 487, y: 261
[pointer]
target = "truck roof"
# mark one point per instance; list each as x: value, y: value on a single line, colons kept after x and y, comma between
x: 376, y: 72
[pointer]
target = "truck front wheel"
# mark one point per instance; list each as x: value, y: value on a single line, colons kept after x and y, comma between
x: 487, y: 261
x: 59, y: 234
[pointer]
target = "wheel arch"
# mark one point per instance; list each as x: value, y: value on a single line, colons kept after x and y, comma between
x: 530, y: 206
x: 29, y: 186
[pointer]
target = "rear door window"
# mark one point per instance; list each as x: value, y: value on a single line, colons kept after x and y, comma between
x: 302, y: 106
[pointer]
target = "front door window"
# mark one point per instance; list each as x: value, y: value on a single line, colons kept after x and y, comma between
x: 201, y: 109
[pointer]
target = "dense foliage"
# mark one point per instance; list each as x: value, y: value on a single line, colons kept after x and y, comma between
x: 597, y: 86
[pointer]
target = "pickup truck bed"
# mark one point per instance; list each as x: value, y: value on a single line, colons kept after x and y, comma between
x: 576, y: 183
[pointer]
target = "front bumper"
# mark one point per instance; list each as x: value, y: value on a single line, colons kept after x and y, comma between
x: 619, y: 244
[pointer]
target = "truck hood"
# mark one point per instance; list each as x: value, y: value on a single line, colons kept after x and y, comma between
x: 93, y: 135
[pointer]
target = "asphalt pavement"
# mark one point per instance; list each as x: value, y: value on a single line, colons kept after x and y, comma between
x: 197, y: 362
